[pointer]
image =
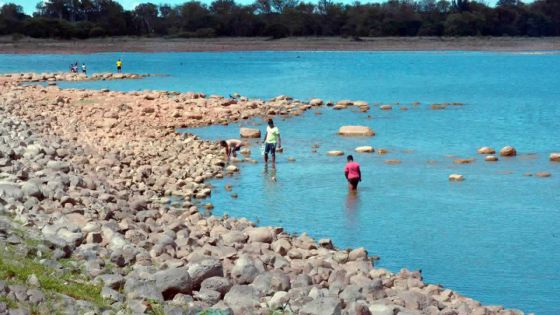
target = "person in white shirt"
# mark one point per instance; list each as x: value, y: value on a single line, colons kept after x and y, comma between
x: 272, y: 142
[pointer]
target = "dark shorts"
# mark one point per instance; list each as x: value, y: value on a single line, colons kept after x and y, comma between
x: 354, y: 182
x: 270, y: 147
x: 119, y: 68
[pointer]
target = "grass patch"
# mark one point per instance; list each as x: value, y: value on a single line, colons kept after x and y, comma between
x: 17, y: 269
x: 11, y: 303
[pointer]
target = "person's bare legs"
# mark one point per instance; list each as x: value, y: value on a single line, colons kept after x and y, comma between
x: 273, y: 160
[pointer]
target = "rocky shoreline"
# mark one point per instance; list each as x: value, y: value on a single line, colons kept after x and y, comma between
x: 88, y: 175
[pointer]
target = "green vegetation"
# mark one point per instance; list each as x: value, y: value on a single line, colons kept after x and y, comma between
x: 15, y: 268
x: 281, y: 18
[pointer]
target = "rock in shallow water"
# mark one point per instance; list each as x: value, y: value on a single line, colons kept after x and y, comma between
x: 363, y: 131
x: 365, y: 149
x: 456, y: 178
x: 249, y: 133
x: 508, y: 151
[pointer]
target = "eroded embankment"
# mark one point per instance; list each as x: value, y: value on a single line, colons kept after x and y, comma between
x: 91, y: 171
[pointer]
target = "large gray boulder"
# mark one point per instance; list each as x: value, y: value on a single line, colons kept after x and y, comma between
x: 242, y: 299
x: 10, y: 191
x: 322, y: 306
x: 244, y: 270
x: 172, y: 281
x: 142, y: 289
x: 260, y: 234
x: 219, y: 284
x: 269, y: 282
x: 204, y: 269
x: 31, y: 189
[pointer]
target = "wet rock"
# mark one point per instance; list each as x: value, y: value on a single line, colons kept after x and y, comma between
x: 508, y: 151
x: 491, y: 158
x: 456, y: 178
x: 335, y: 153
x: 356, y: 131
x: 358, y: 254
x: 486, y: 150
x: 386, y: 107
x: 554, y: 157
x: 232, y: 169
x: 463, y: 161
x: 316, y: 102
x: 543, y: 174
x: 365, y: 149
x: 393, y: 161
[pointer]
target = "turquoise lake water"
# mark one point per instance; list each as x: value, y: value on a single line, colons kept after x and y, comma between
x: 494, y: 237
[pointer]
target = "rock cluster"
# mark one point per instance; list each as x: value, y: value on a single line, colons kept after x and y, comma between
x: 67, y: 76
x: 106, y: 180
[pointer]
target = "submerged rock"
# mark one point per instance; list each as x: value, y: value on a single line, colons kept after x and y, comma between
x: 335, y: 153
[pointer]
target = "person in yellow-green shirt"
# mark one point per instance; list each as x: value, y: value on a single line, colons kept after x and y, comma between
x: 119, y: 66
x: 271, y: 141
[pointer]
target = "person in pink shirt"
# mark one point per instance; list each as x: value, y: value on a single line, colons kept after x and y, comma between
x: 352, y: 173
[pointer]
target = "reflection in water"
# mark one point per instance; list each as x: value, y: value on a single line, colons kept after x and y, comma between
x: 352, y: 203
x: 272, y: 174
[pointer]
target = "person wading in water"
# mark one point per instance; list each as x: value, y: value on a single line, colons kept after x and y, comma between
x: 352, y: 173
x: 271, y: 142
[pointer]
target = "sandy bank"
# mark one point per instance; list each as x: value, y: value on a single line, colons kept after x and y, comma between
x: 129, y: 44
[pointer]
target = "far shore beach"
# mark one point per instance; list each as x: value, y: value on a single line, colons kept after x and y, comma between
x: 143, y: 44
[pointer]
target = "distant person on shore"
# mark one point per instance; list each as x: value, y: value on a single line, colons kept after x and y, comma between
x: 84, y: 69
x: 232, y: 146
x: 352, y: 173
x: 271, y: 142
x: 119, y: 65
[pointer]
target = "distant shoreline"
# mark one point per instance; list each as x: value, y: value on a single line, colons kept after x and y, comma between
x: 223, y: 44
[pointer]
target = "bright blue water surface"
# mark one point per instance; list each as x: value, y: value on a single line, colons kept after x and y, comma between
x: 494, y: 237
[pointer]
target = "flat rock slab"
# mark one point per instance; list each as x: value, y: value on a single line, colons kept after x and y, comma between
x: 356, y: 131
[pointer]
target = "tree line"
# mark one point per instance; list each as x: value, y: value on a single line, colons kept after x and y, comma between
x: 82, y: 19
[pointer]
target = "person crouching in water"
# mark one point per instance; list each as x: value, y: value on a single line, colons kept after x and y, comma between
x: 232, y: 146
x: 272, y: 141
x: 352, y: 173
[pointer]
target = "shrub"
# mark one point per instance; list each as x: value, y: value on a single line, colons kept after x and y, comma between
x: 277, y: 31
